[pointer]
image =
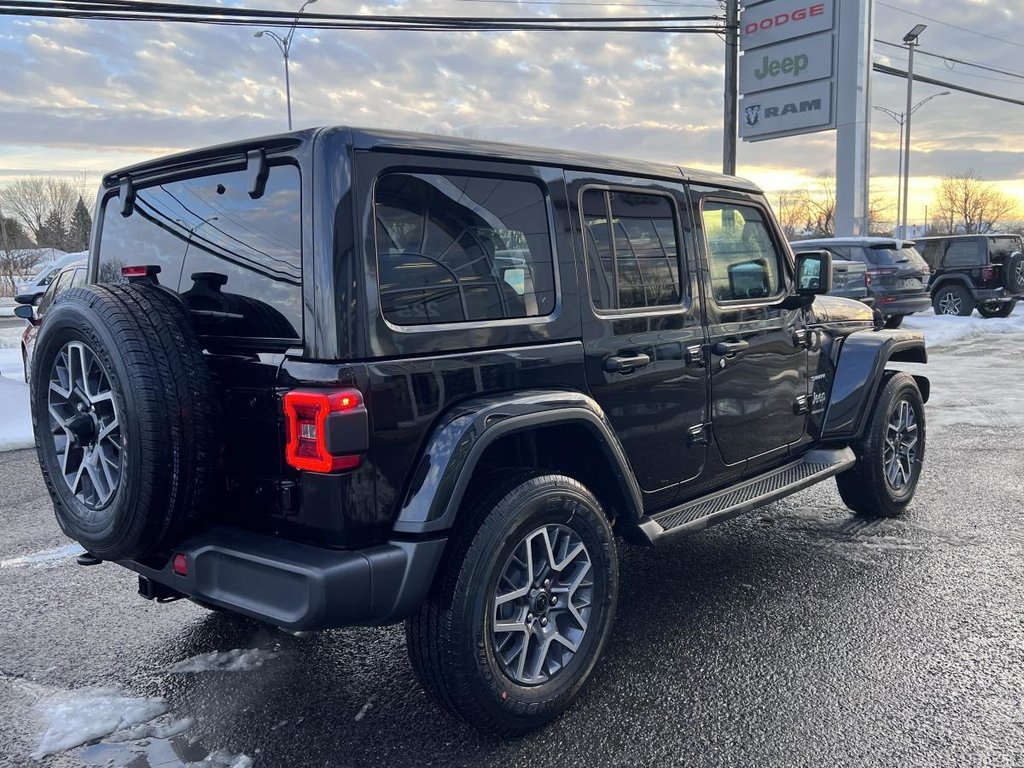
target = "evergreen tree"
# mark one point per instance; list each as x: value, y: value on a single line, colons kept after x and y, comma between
x: 54, y: 232
x: 81, y: 227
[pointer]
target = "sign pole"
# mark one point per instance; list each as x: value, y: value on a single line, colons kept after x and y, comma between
x: 853, y: 117
x: 732, y: 109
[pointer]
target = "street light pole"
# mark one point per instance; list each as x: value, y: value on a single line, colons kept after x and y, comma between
x: 284, y: 44
x: 912, y: 39
x: 900, y: 118
x: 732, y: 56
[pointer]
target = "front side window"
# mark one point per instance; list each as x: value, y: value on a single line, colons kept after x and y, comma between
x: 454, y: 249
x: 632, y: 252
x: 57, y: 287
x: 745, y: 263
x: 235, y: 260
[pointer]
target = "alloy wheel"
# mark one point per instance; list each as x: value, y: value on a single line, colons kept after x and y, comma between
x: 899, y: 455
x: 542, y: 604
x: 950, y: 304
x: 85, y: 425
x: 1019, y: 274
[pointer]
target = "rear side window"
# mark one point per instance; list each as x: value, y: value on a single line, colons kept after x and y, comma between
x: 236, y: 261
x: 962, y: 253
x: 632, y: 250
x: 745, y: 262
x: 454, y: 249
x: 64, y: 281
x: 930, y: 253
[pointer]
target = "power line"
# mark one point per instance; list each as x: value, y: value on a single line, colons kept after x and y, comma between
x: 885, y: 69
x: 133, y: 10
x: 966, y: 63
x: 953, y: 26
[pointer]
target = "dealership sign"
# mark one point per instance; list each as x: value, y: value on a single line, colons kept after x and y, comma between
x: 787, y: 70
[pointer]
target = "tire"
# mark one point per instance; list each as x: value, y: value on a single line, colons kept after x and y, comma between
x: 1013, y: 273
x: 141, y: 449
x: 865, y: 488
x: 1003, y: 309
x: 454, y: 650
x: 953, y: 299
x: 894, y: 321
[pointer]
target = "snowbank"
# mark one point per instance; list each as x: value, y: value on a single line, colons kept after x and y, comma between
x: 946, y: 331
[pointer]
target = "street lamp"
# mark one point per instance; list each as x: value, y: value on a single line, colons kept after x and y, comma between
x: 285, y: 45
x: 912, y: 39
x: 900, y: 118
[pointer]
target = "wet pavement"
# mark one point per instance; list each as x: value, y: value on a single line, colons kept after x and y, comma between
x: 795, y: 636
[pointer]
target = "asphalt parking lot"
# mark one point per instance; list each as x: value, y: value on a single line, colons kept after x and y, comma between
x: 795, y: 636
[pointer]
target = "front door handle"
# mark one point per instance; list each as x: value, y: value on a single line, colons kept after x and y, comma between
x: 624, y: 363
x: 730, y: 348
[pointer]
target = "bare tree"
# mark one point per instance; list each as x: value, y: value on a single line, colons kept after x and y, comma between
x: 17, y: 257
x: 44, y: 206
x: 967, y: 203
x: 817, y: 206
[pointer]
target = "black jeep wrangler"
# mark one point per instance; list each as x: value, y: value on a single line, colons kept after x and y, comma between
x: 341, y: 377
x: 975, y: 271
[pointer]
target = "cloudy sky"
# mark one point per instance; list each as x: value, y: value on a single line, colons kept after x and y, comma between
x: 93, y: 96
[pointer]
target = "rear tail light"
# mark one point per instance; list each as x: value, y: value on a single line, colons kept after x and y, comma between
x: 140, y: 270
x: 988, y: 274
x: 874, y: 274
x: 306, y: 414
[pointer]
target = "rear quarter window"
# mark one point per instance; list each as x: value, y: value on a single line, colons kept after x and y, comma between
x: 236, y: 261
x: 962, y: 253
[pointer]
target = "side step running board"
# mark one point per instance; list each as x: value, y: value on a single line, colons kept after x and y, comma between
x: 697, y: 514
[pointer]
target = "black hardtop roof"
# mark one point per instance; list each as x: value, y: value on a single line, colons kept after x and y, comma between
x: 868, y: 241
x: 967, y: 237
x: 406, y: 141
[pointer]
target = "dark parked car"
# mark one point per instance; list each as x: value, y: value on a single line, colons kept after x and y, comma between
x: 975, y: 271
x: 339, y: 377
x: 71, y: 275
x: 897, y: 276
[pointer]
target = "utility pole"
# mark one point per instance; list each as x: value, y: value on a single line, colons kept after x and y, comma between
x: 732, y: 88
x: 912, y: 41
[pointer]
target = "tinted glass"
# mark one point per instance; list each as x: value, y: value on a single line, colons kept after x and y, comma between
x: 929, y: 252
x: 890, y: 256
x: 745, y: 264
x: 461, y: 248
x: 633, y: 255
x: 57, y: 287
x: 1001, y: 247
x: 962, y: 253
x: 237, y: 262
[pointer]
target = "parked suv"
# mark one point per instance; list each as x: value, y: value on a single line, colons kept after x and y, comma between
x: 897, y: 276
x: 341, y: 377
x: 983, y: 271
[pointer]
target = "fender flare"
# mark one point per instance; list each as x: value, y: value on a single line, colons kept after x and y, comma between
x: 860, y: 370
x: 945, y: 280
x: 439, y: 482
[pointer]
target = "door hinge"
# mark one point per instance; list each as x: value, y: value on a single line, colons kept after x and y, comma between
x: 698, y: 434
x: 695, y: 355
x: 802, y: 405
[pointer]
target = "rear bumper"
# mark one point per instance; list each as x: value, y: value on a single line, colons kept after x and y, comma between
x: 890, y: 305
x: 995, y: 295
x: 297, y: 586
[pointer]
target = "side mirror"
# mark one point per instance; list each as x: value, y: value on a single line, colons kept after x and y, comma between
x: 25, y: 312
x: 813, y: 273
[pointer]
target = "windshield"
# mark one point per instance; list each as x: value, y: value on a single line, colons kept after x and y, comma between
x: 891, y: 256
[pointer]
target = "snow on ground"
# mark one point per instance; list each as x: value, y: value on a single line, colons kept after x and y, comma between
x: 7, y: 305
x: 15, y: 423
x: 238, y: 660
x: 78, y: 717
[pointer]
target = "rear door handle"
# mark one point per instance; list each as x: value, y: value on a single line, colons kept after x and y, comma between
x: 624, y: 363
x: 730, y: 348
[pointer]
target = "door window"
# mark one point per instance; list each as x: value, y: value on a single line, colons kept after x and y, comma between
x: 454, y: 249
x: 745, y: 262
x: 57, y: 287
x: 633, y: 254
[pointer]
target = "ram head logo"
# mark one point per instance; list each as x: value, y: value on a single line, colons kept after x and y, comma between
x: 752, y: 114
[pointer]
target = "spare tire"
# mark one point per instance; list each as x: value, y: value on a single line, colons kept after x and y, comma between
x: 1013, y: 272
x: 125, y: 418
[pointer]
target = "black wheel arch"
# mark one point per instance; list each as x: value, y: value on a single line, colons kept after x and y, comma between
x: 475, y: 434
x: 860, y: 371
x: 955, y: 278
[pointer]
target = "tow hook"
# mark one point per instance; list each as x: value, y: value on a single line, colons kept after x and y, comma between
x: 87, y: 559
